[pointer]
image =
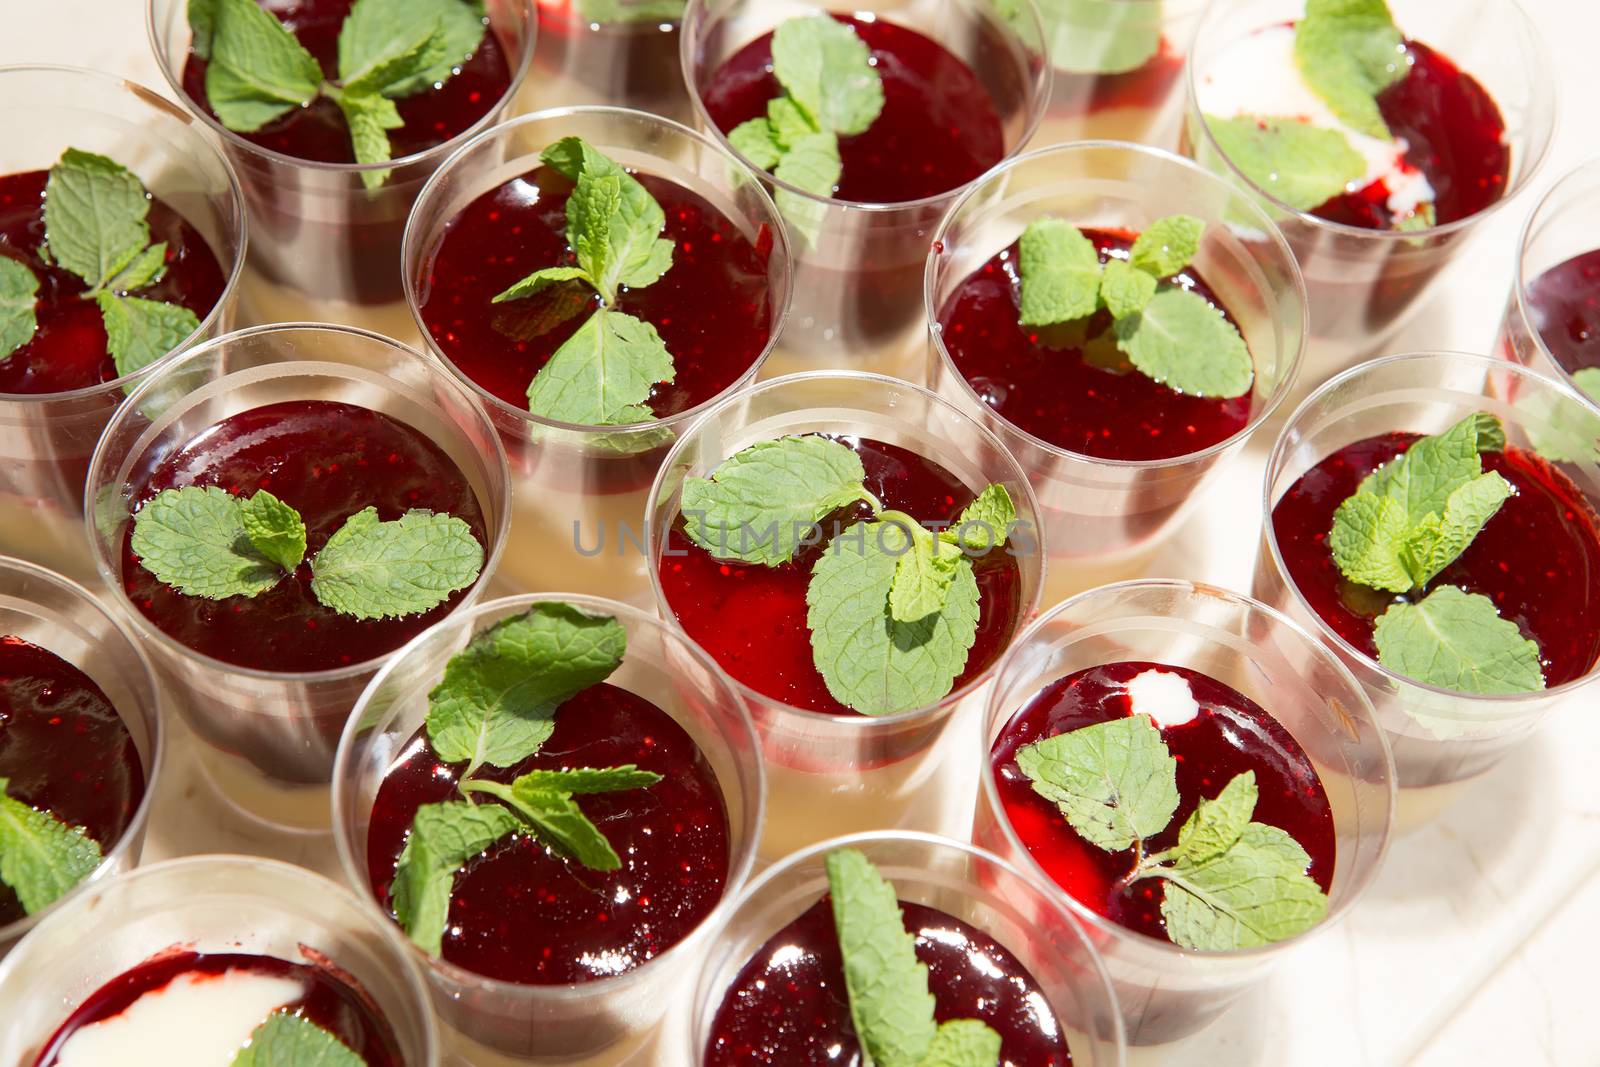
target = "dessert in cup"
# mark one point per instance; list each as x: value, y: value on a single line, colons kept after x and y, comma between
x: 277, y: 512
x: 1123, y: 321
x: 867, y: 126
x: 857, y: 554
x: 554, y: 796
x: 618, y: 52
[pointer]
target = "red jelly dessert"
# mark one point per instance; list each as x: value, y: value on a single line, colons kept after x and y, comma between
x: 521, y: 912
x: 1230, y: 735
x: 788, y: 1005
x: 770, y: 648
x: 326, y: 998
x: 327, y: 460
x: 1538, y: 558
x: 69, y: 349
x: 1564, y: 306
x: 938, y: 129
x: 712, y: 309
x: 1069, y: 384
x: 63, y: 749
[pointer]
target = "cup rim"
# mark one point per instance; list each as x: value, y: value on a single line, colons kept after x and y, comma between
x: 1516, y: 186
x: 353, y: 869
x: 853, y: 720
x: 1258, y: 414
x: 1590, y: 172
x: 518, y: 68
x: 1115, y: 930
x: 694, y: 12
x: 238, y: 221
x: 1507, y: 701
x: 182, y: 652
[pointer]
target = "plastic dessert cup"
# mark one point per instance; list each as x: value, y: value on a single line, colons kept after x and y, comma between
x: 966, y: 883
x: 231, y: 904
x: 828, y: 773
x: 269, y: 736
x: 1104, y: 518
x: 588, y: 56
x: 596, y: 1022
x: 322, y: 247
x: 579, y: 492
x: 856, y: 281
x: 1166, y: 992
x: 46, y: 439
x: 1364, y: 283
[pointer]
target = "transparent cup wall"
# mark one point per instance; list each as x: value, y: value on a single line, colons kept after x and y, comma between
x: 46, y: 439
x: 964, y: 882
x: 1167, y: 993
x: 269, y: 737
x: 1104, y: 519
x: 322, y: 246
x: 1441, y: 739
x: 826, y: 773
x: 1363, y: 284
x: 858, y: 267
x: 603, y: 52
x: 222, y: 904
x: 497, y: 1022
x: 580, y: 491
x: 60, y: 616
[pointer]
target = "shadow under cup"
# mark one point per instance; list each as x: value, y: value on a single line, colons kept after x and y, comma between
x: 268, y: 737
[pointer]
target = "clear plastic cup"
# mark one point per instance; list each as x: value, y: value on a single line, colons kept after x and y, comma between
x: 61, y: 616
x: 268, y: 737
x: 971, y: 885
x: 46, y: 439
x: 579, y: 491
x: 229, y: 904
x: 1167, y: 992
x: 603, y: 1022
x: 1363, y: 283
x: 322, y: 246
x: 856, y: 283
x: 1441, y: 739
x: 829, y: 774
x: 1104, y: 519
x: 630, y: 63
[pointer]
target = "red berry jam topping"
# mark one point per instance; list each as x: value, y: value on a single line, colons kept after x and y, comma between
x: 69, y: 349
x: 1538, y: 558
x: 1564, y: 306
x: 768, y: 646
x: 328, y: 461
x: 712, y: 309
x: 1230, y: 735
x: 64, y: 749
x: 938, y: 129
x: 522, y: 913
x: 1069, y: 384
x: 788, y: 1005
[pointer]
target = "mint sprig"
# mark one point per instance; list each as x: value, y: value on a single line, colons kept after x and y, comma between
x: 41, y: 857
x: 290, y: 1040
x: 1349, y: 51
x: 19, y: 289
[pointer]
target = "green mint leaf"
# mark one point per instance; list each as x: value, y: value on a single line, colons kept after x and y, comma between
x: 1094, y: 36
x: 923, y: 575
x: 1217, y: 824
x: 275, y: 529
x: 1114, y: 781
x: 94, y: 216
x: 370, y: 118
x: 144, y: 269
x: 1302, y: 165
x: 759, y: 504
x: 1457, y: 640
x: 963, y: 1043
x: 1369, y: 532
x: 584, y: 780
x: 1060, y: 273
x: 377, y: 570
x: 19, y: 289
x: 140, y: 331
x: 603, y: 11
x: 194, y: 540
x: 1423, y: 476
x: 1348, y: 51
x: 827, y: 69
x: 788, y: 122
x: 871, y: 662
x: 756, y: 141
x: 540, y: 280
x: 202, y: 20
x: 1560, y: 429
x: 1125, y: 289
x: 443, y: 837
x: 258, y: 71
x: 41, y: 857
x: 497, y: 701
x: 985, y: 523
x: 289, y: 1040
x: 602, y: 375
x: 1253, y: 893
x: 628, y: 221
x: 1167, y: 246
x: 1184, y: 343
x: 1436, y: 542
x: 811, y: 163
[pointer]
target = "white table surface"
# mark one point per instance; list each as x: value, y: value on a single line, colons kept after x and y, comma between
x: 1478, y: 943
